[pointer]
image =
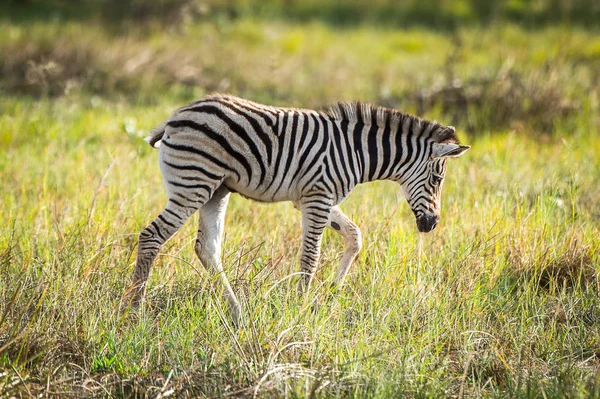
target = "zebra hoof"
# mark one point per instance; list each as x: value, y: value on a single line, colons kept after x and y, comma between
x: 130, y: 301
x: 237, y: 319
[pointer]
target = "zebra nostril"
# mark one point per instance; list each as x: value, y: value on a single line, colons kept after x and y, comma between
x: 426, y: 222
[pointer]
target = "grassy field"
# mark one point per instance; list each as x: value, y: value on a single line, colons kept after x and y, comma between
x: 504, y: 299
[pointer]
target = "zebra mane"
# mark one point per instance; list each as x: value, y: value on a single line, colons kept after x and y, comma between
x: 358, y: 111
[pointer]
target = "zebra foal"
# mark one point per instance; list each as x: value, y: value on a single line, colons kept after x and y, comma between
x: 223, y: 144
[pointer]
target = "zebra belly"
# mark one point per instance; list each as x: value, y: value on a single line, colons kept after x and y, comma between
x: 261, y: 194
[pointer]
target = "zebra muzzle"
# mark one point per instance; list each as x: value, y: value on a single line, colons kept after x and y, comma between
x: 426, y: 223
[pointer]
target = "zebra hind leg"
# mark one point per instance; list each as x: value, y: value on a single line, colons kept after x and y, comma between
x: 208, y: 245
x: 151, y: 240
x: 339, y: 222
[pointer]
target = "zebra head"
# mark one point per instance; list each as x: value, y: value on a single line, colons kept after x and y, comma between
x: 423, y: 186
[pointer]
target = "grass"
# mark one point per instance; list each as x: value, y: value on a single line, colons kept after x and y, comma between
x: 503, y: 301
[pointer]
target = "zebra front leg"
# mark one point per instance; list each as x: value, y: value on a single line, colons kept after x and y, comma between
x: 151, y: 240
x: 352, y: 239
x: 211, y: 223
x: 315, y: 216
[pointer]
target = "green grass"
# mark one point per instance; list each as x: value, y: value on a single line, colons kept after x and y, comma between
x: 504, y: 300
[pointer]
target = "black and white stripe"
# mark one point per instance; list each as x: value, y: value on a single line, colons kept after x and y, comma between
x: 222, y: 144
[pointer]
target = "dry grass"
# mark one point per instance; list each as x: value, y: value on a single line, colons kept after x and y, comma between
x: 510, y: 99
x: 555, y: 266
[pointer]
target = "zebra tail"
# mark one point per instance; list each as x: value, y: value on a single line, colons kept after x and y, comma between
x: 156, y: 135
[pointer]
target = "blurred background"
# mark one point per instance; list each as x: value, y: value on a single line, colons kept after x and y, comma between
x: 480, y: 65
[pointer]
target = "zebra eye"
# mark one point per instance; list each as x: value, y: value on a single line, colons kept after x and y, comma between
x: 436, y: 179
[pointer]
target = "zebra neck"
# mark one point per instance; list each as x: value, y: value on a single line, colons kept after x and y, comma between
x: 380, y: 143
x: 373, y: 149
x: 382, y: 151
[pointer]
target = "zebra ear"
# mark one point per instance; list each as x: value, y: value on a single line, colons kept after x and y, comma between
x: 450, y: 150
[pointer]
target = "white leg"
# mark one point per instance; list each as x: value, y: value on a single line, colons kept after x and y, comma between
x: 208, y: 244
x: 352, y: 239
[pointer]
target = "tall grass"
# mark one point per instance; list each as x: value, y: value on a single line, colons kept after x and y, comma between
x: 503, y: 300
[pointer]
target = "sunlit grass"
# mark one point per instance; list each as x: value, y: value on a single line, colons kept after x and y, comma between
x: 502, y: 301
x: 77, y: 188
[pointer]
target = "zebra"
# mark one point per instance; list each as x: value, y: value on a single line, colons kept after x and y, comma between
x: 222, y: 144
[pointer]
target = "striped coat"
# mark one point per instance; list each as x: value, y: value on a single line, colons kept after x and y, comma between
x: 223, y: 144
